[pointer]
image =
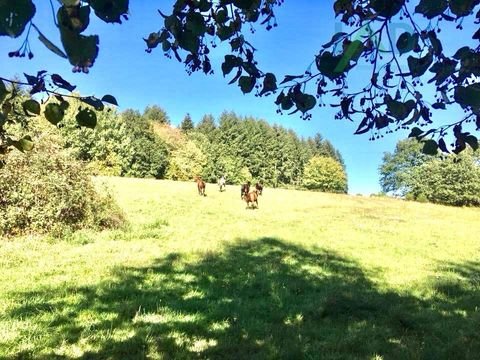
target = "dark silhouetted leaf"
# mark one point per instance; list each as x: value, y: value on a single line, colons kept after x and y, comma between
x: 472, y: 141
x: 269, y: 83
x: 387, y: 8
x: 407, y: 42
x: 335, y: 38
x: 415, y: 132
x: 75, y: 19
x: 430, y: 147
x: 87, y: 118
x: 24, y: 144
x: 31, y: 107
x: 418, y: 66
x: 110, y: 99
x: 54, y: 113
x: 62, y: 83
x: 246, y: 83
x: 231, y: 62
x: 110, y: 11
x: 14, y: 16
x: 327, y: 64
x: 442, y: 145
x: 431, y: 8
x: 94, y: 102
x: 468, y: 96
x: 3, y: 91
x: 353, y: 52
x: 48, y: 44
x: 462, y: 7
x: 305, y: 102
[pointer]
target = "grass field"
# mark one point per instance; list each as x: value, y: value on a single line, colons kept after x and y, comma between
x: 306, y: 276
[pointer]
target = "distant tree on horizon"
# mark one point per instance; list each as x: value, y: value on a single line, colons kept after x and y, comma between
x: 393, y: 97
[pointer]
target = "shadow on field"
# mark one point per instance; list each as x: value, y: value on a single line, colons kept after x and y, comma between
x: 257, y: 299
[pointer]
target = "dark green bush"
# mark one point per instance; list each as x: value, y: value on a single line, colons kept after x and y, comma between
x: 46, y: 191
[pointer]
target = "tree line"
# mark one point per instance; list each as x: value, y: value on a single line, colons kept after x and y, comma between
x: 131, y: 143
x: 447, y: 179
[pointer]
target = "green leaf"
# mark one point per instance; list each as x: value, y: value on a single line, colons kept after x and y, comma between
x: 54, y: 113
x: 418, y: 66
x: 81, y: 50
x: 14, y: 16
x: 87, y: 118
x: 431, y: 8
x: 430, y: 147
x: 24, y: 144
x: 353, y: 52
x: 48, y: 44
x: 110, y: 99
x: 407, y: 42
x: 110, y: 11
x: 75, y: 19
x: 327, y: 64
x: 31, y: 107
x: 468, y: 96
x: 246, y: 83
x: 3, y: 91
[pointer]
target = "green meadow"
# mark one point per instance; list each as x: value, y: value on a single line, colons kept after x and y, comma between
x: 306, y: 276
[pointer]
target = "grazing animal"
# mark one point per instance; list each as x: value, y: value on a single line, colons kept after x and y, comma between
x: 259, y: 188
x: 222, y: 184
x: 245, y: 189
x: 251, y: 199
x: 200, y: 186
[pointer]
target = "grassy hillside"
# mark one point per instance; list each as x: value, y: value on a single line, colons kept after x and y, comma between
x: 307, y: 275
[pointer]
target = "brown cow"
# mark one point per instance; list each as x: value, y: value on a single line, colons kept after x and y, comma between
x: 200, y: 186
x: 259, y: 188
x: 251, y: 199
x: 245, y: 189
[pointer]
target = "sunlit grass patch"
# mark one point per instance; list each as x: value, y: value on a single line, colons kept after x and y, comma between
x: 305, y: 274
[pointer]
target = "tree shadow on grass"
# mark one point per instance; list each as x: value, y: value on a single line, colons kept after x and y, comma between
x: 255, y: 300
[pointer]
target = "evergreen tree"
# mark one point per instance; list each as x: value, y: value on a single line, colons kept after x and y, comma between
x: 156, y: 114
x: 207, y: 126
x: 187, y: 124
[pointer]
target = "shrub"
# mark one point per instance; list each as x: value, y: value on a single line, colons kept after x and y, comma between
x: 454, y: 180
x: 46, y: 191
x: 325, y: 174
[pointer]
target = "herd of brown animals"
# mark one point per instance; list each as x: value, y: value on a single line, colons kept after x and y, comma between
x: 250, y: 197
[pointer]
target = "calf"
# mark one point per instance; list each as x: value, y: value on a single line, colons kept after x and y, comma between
x: 251, y: 199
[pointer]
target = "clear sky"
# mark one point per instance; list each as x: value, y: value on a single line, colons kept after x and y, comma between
x: 138, y: 79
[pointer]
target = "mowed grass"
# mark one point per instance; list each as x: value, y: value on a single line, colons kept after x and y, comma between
x: 306, y: 276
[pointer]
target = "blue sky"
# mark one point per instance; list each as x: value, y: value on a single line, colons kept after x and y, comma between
x: 138, y: 79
